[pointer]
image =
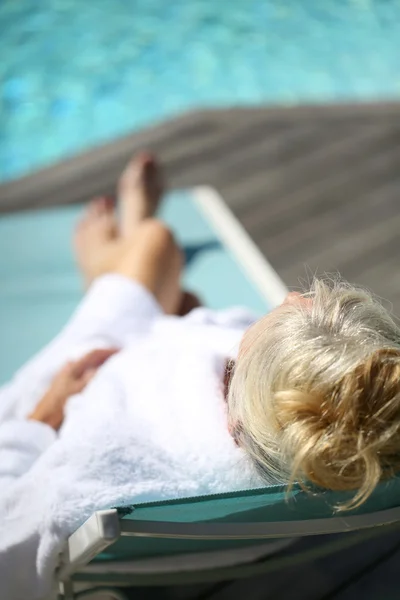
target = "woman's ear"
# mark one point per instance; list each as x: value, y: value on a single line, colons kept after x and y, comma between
x: 297, y: 298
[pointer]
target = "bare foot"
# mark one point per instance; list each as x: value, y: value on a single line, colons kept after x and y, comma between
x: 95, y: 238
x: 188, y: 303
x: 139, y: 192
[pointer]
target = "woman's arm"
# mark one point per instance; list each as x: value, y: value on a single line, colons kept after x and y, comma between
x: 71, y: 380
x: 22, y: 441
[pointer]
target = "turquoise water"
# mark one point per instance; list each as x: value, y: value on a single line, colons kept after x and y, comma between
x: 74, y: 74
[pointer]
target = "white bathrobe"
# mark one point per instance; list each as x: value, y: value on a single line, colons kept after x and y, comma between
x: 151, y: 425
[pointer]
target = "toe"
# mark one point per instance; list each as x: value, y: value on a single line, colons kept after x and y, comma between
x: 100, y: 206
x: 98, y: 221
x: 131, y: 175
x: 140, y: 188
x: 101, y: 215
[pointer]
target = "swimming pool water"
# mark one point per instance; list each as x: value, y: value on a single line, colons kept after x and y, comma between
x: 74, y: 74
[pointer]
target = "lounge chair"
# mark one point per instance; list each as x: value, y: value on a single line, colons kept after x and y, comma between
x: 215, y: 538
x: 189, y: 540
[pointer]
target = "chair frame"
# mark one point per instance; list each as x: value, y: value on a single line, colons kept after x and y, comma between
x: 105, y: 527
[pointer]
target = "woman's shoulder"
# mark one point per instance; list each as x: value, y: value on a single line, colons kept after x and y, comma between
x: 236, y: 317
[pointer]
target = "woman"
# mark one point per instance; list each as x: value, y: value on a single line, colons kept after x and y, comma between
x: 133, y: 403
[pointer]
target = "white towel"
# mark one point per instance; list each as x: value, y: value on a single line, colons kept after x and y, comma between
x: 150, y: 426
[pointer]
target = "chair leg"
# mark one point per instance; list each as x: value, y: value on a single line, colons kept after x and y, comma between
x: 109, y: 594
x: 66, y: 590
x: 67, y: 593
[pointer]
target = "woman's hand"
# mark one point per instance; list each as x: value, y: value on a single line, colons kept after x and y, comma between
x: 72, y: 379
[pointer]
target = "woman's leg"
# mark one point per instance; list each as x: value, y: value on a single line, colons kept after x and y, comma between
x: 154, y: 259
x: 136, y: 245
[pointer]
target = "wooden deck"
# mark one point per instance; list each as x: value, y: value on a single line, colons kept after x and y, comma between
x: 318, y: 190
x: 316, y: 187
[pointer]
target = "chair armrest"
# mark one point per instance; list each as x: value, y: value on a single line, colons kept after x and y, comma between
x: 97, y: 533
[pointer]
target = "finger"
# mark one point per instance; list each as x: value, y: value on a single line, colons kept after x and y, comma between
x: 93, y: 360
x: 81, y: 383
x: 88, y: 376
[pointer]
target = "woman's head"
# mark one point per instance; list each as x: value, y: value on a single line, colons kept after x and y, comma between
x: 315, y: 395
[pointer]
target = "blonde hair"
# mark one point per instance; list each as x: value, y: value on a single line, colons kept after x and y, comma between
x: 316, y: 396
